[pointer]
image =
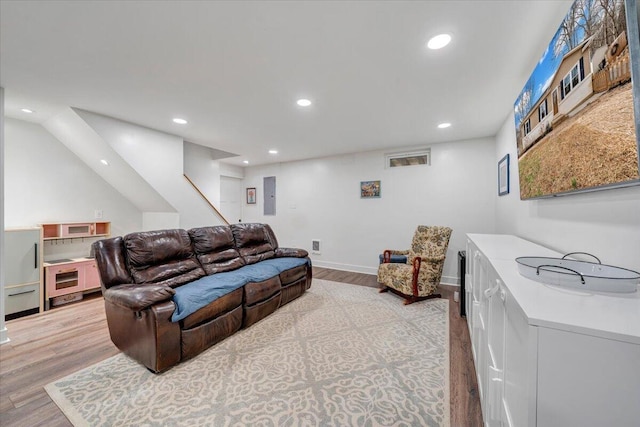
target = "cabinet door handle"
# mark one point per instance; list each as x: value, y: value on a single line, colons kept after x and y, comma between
x: 21, y: 293
x: 491, y: 292
x: 35, y: 255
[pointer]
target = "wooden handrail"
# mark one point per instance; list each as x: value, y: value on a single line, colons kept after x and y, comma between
x: 205, y: 199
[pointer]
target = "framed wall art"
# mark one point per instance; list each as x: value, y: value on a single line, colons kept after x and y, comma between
x: 251, y: 196
x: 576, y: 117
x: 503, y: 176
x: 369, y: 189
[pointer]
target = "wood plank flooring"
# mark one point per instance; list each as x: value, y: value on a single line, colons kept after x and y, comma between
x: 50, y: 345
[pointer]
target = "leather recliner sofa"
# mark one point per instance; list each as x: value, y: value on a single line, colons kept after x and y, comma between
x: 171, y: 294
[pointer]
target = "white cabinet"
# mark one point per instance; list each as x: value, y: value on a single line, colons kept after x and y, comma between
x: 23, y: 284
x: 545, y: 356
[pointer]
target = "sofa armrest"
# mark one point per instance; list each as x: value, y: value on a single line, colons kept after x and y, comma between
x: 138, y: 297
x: 291, y: 252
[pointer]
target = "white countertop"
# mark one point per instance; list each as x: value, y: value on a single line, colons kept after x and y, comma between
x: 66, y: 261
x: 608, y: 315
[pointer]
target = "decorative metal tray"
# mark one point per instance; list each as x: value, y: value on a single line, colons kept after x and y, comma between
x: 579, y: 274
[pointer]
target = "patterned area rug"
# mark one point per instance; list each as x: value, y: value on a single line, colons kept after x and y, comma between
x: 340, y: 355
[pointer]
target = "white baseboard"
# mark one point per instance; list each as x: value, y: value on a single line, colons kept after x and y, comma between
x: 346, y: 267
x: 450, y: 281
x: 445, y: 280
x: 3, y: 336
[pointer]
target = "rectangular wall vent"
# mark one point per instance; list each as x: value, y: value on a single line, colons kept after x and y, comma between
x: 410, y: 158
x: 315, y: 246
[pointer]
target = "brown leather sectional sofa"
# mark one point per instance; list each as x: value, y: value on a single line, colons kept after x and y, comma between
x: 235, y: 275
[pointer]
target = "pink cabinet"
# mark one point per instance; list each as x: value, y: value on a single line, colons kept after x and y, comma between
x: 91, y: 275
x: 64, y: 279
x: 71, y: 277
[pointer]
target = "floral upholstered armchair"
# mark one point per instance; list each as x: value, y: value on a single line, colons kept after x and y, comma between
x: 417, y: 278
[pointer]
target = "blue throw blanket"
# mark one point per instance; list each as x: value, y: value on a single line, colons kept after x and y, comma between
x: 193, y: 296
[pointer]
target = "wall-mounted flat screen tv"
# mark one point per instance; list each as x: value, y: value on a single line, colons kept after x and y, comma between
x: 577, y: 118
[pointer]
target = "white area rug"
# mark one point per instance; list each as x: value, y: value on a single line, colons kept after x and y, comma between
x: 340, y: 355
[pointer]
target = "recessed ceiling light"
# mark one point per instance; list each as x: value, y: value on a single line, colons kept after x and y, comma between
x: 303, y: 102
x: 104, y: 162
x: 26, y: 110
x: 179, y: 121
x: 273, y: 151
x: 439, y: 41
x: 246, y: 162
x: 444, y: 125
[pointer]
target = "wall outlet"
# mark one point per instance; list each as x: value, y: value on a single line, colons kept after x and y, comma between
x: 315, y: 246
x: 97, y: 214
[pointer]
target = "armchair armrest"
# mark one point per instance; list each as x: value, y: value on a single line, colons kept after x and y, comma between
x: 388, y: 252
x: 432, y: 260
x: 138, y: 297
x: 291, y: 252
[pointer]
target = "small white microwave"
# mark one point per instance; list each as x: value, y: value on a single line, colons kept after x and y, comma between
x: 77, y: 230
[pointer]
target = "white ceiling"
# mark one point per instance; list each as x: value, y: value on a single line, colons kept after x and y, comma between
x: 235, y: 69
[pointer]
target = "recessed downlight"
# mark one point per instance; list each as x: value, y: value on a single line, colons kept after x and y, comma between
x: 444, y: 125
x: 104, y: 162
x: 273, y: 151
x: 439, y: 41
x: 246, y: 162
x: 26, y: 110
x: 303, y: 102
x: 179, y: 121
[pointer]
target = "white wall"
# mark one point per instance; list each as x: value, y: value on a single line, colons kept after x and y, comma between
x: 605, y: 223
x: 203, y: 170
x: 158, y: 158
x: 3, y: 329
x: 68, y: 127
x: 231, y: 171
x: 46, y: 182
x: 320, y: 199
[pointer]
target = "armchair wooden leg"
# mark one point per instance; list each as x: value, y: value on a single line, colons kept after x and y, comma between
x: 383, y: 289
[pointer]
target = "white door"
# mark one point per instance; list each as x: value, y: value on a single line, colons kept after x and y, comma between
x: 231, y: 198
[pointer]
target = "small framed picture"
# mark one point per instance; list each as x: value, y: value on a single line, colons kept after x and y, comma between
x: 503, y: 176
x: 369, y: 189
x: 251, y: 196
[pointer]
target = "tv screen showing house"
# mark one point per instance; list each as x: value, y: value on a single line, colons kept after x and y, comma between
x: 575, y: 120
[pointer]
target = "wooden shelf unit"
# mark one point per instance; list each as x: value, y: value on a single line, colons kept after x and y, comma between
x: 73, y: 230
x: 77, y: 275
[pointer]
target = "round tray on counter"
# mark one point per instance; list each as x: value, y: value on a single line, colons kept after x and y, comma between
x: 583, y: 275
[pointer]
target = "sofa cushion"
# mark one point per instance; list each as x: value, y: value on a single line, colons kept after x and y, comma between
x: 111, y: 261
x: 193, y: 296
x: 253, y: 241
x: 293, y: 274
x: 254, y: 292
x: 214, y: 309
x: 162, y: 257
x: 215, y: 249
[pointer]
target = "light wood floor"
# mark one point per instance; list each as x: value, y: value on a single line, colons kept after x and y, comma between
x: 51, y: 345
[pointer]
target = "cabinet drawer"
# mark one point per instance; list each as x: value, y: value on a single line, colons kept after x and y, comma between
x: 64, y: 279
x: 20, y: 298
